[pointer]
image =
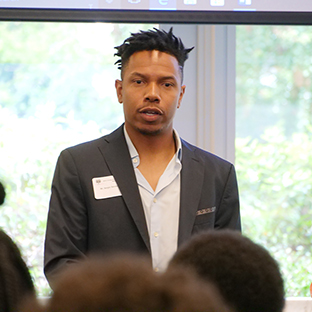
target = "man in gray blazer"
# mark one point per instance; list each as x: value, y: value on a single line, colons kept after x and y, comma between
x: 141, y: 188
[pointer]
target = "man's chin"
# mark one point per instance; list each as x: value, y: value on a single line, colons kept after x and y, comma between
x: 150, y: 131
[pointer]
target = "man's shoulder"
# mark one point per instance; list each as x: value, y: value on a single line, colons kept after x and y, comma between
x: 88, y: 146
x: 202, y: 155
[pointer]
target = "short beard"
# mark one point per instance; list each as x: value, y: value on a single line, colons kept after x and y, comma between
x: 149, y: 132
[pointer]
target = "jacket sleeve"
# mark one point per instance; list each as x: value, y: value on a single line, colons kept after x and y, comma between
x: 66, y: 233
x: 228, y: 214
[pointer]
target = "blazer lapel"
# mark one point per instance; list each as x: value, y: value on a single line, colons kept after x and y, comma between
x: 192, y: 175
x: 117, y: 157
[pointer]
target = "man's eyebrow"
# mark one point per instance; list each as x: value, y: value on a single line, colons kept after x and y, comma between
x: 169, y: 77
x: 144, y: 76
x: 138, y: 74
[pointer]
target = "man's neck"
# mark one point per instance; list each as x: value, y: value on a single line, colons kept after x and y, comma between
x: 155, y: 152
x: 153, y: 145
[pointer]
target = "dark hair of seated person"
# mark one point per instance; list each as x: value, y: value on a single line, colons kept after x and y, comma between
x: 246, y: 275
x: 15, y: 280
x: 2, y: 194
x: 127, y: 283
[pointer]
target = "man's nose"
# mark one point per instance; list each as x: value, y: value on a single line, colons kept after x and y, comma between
x: 152, y: 93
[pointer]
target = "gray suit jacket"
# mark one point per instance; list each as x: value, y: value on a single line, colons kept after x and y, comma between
x: 78, y: 224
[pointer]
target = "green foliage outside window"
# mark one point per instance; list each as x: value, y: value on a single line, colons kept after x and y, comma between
x: 275, y: 183
x: 274, y: 145
x: 56, y: 90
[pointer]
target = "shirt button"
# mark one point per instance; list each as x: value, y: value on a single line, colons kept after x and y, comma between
x: 154, y: 200
x: 135, y: 160
x: 156, y: 234
x: 156, y: 269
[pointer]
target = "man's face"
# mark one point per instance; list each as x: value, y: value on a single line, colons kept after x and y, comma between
x: 150, y: 91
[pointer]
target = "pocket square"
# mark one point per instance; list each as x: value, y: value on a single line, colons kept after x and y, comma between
x: 204, y: 211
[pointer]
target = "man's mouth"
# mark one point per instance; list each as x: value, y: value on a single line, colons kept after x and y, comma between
x: 151, y: 111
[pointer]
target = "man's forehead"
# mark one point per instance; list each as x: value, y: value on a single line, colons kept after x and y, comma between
x: 147, y: 58
x: 153, y: 55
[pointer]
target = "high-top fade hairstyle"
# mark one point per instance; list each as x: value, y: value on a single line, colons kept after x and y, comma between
x: 153, y: 39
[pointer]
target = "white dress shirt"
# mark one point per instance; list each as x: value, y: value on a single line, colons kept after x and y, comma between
x: 162, y: 206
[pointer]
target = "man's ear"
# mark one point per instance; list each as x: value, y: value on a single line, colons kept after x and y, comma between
x: 181, y: 96
x: 118, y: 87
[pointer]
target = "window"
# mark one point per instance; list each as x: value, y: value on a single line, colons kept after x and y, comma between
x: 56, y: 90
x: 274, y: 145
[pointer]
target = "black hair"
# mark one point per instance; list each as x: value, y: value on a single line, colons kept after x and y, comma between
x: 124, y: 282
x: 2, y: 193
x: 245, y: 273
x: 153, y: 39
x: 15, y: 280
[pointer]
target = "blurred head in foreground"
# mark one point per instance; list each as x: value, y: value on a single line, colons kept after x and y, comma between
x: 15, y: 280
x: 2, y: 194
x: 245, y: 273
x: 128, y: 284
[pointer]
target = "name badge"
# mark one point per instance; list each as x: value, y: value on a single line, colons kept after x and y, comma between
x: 105, y: 187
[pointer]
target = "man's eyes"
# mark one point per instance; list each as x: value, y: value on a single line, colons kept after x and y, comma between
x: 165, y: 84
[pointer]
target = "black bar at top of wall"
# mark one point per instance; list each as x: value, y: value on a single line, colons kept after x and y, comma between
x: 155, y: 16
